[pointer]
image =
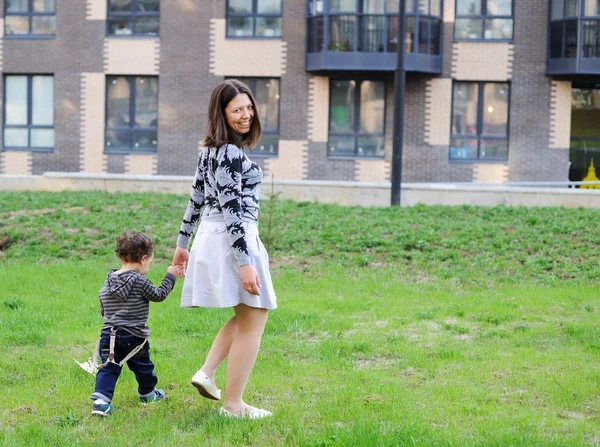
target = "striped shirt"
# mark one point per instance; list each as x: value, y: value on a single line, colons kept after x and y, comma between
x: 226, y: 185
x: 125, y: 300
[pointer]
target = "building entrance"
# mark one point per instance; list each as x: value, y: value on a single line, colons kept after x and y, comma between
x: 585, y: 133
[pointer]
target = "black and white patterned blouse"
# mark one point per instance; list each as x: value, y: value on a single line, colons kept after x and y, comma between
x: 226, y: 185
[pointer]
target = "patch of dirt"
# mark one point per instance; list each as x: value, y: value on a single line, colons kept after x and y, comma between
x: 314, y: 337
x: 374, y: 398
x: 375, y: 362
x: 292, y: 261
x: 24, y: 409
x: 4, y: 244
x: 37, y: 212
x: 464, y: 337
x: 571, y: 415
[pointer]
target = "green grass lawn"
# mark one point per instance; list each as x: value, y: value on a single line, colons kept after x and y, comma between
x: 421, y: 326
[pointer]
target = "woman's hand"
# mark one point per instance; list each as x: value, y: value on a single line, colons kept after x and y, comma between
x: 180, y: 259
x: 250, y: 279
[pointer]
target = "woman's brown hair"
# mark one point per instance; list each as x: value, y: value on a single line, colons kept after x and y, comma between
x: 218, y: 131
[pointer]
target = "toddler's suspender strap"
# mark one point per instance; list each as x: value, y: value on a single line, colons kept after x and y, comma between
x: 111, y: 353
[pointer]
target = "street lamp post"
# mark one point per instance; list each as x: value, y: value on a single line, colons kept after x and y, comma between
x: 399, y: 89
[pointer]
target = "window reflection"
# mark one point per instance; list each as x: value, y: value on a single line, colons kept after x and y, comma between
x: 28, y: 112
x: 357, y: 118
x: 131, y: 114
x: 479, y: 121
x: 585, y: 132
x: 484, y: 19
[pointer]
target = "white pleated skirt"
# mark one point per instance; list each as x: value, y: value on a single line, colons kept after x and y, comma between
x: 212, y: 278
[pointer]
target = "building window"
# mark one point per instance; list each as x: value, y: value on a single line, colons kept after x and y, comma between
x: 483, y: 20
x: 591, y: 30
x: 133, y: 17
x: 564, y: 26
x: 480, y: 121
x: 29, y: 112
x: 585, y: 132
x: 29, y: 18
x: 131, y: 114
x: 254, y: 18
x: 372, y: 26
x: 356, y: 118
x: 266, y: 95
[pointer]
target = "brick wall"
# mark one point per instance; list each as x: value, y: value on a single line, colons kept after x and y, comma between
x: 185, y: 83
x: 183, y: 62
x: 530, y: 157
x: 76, y: 48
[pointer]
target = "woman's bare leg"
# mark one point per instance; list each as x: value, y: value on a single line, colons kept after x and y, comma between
x: 242, y: 355
x: 220, y: 348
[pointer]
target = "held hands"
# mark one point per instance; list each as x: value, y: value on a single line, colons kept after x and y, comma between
x: 250, y: 279
x: 175, y: 270
x: 180, y: 260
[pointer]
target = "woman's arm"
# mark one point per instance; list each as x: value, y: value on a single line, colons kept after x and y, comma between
x: 228, y: 176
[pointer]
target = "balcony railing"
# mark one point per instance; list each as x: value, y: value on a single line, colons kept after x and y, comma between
x: 574, y: 37
x: 370, y: 42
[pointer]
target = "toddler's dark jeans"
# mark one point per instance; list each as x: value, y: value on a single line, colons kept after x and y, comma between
x: 140, y: 364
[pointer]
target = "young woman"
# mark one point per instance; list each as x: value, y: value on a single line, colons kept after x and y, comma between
x: 228, y: 265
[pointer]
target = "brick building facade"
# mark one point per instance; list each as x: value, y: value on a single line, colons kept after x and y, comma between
x: 128, y: 96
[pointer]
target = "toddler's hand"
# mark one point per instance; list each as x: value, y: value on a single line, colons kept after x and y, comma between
x: 173, y: 270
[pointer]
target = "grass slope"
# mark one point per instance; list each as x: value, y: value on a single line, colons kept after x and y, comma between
x: 422, y: 326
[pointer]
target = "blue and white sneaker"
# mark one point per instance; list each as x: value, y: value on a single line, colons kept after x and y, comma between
x: 155, y: 396
x: 102, y: 408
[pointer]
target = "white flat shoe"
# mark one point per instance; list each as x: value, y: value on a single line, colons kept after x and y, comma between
x: 205, y: 387
x: 250, y: 413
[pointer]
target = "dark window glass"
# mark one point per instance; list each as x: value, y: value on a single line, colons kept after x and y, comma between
x: 479, y: 121
x: 571, y: 39
x: 29, y: 112
x: 372, y: 33
x: 133, y: 17
x: 131, y: 114
x: 266, y: 92
x: 357, y: 118
x: 429, y: 36
x: 315, y: 34
x: 484, y: 20
x: 341, y: 33
x: 556, y: 39
x: 29, y: 18
x: 256, y: 18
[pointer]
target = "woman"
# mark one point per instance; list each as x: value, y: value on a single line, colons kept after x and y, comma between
x: 228, y: 265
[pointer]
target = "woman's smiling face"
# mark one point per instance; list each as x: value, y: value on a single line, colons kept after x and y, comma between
x: 239, y: 113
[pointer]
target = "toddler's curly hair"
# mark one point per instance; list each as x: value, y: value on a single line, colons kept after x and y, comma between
x: 132, y: 246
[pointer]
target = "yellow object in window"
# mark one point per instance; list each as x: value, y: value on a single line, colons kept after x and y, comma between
x: 591, y: 177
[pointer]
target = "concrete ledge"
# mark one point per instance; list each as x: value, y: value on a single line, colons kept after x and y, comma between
x: 342, y: 193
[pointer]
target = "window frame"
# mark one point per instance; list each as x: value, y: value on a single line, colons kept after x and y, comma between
x: 356, y: 133
x: 480, y: 122
x: 29, y: 126
x: 130, y: 16
x: 29, y: 14
x: 254, y: 15
x: 131, y: 128
x: 252, y: 86
x: 483, y: 16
